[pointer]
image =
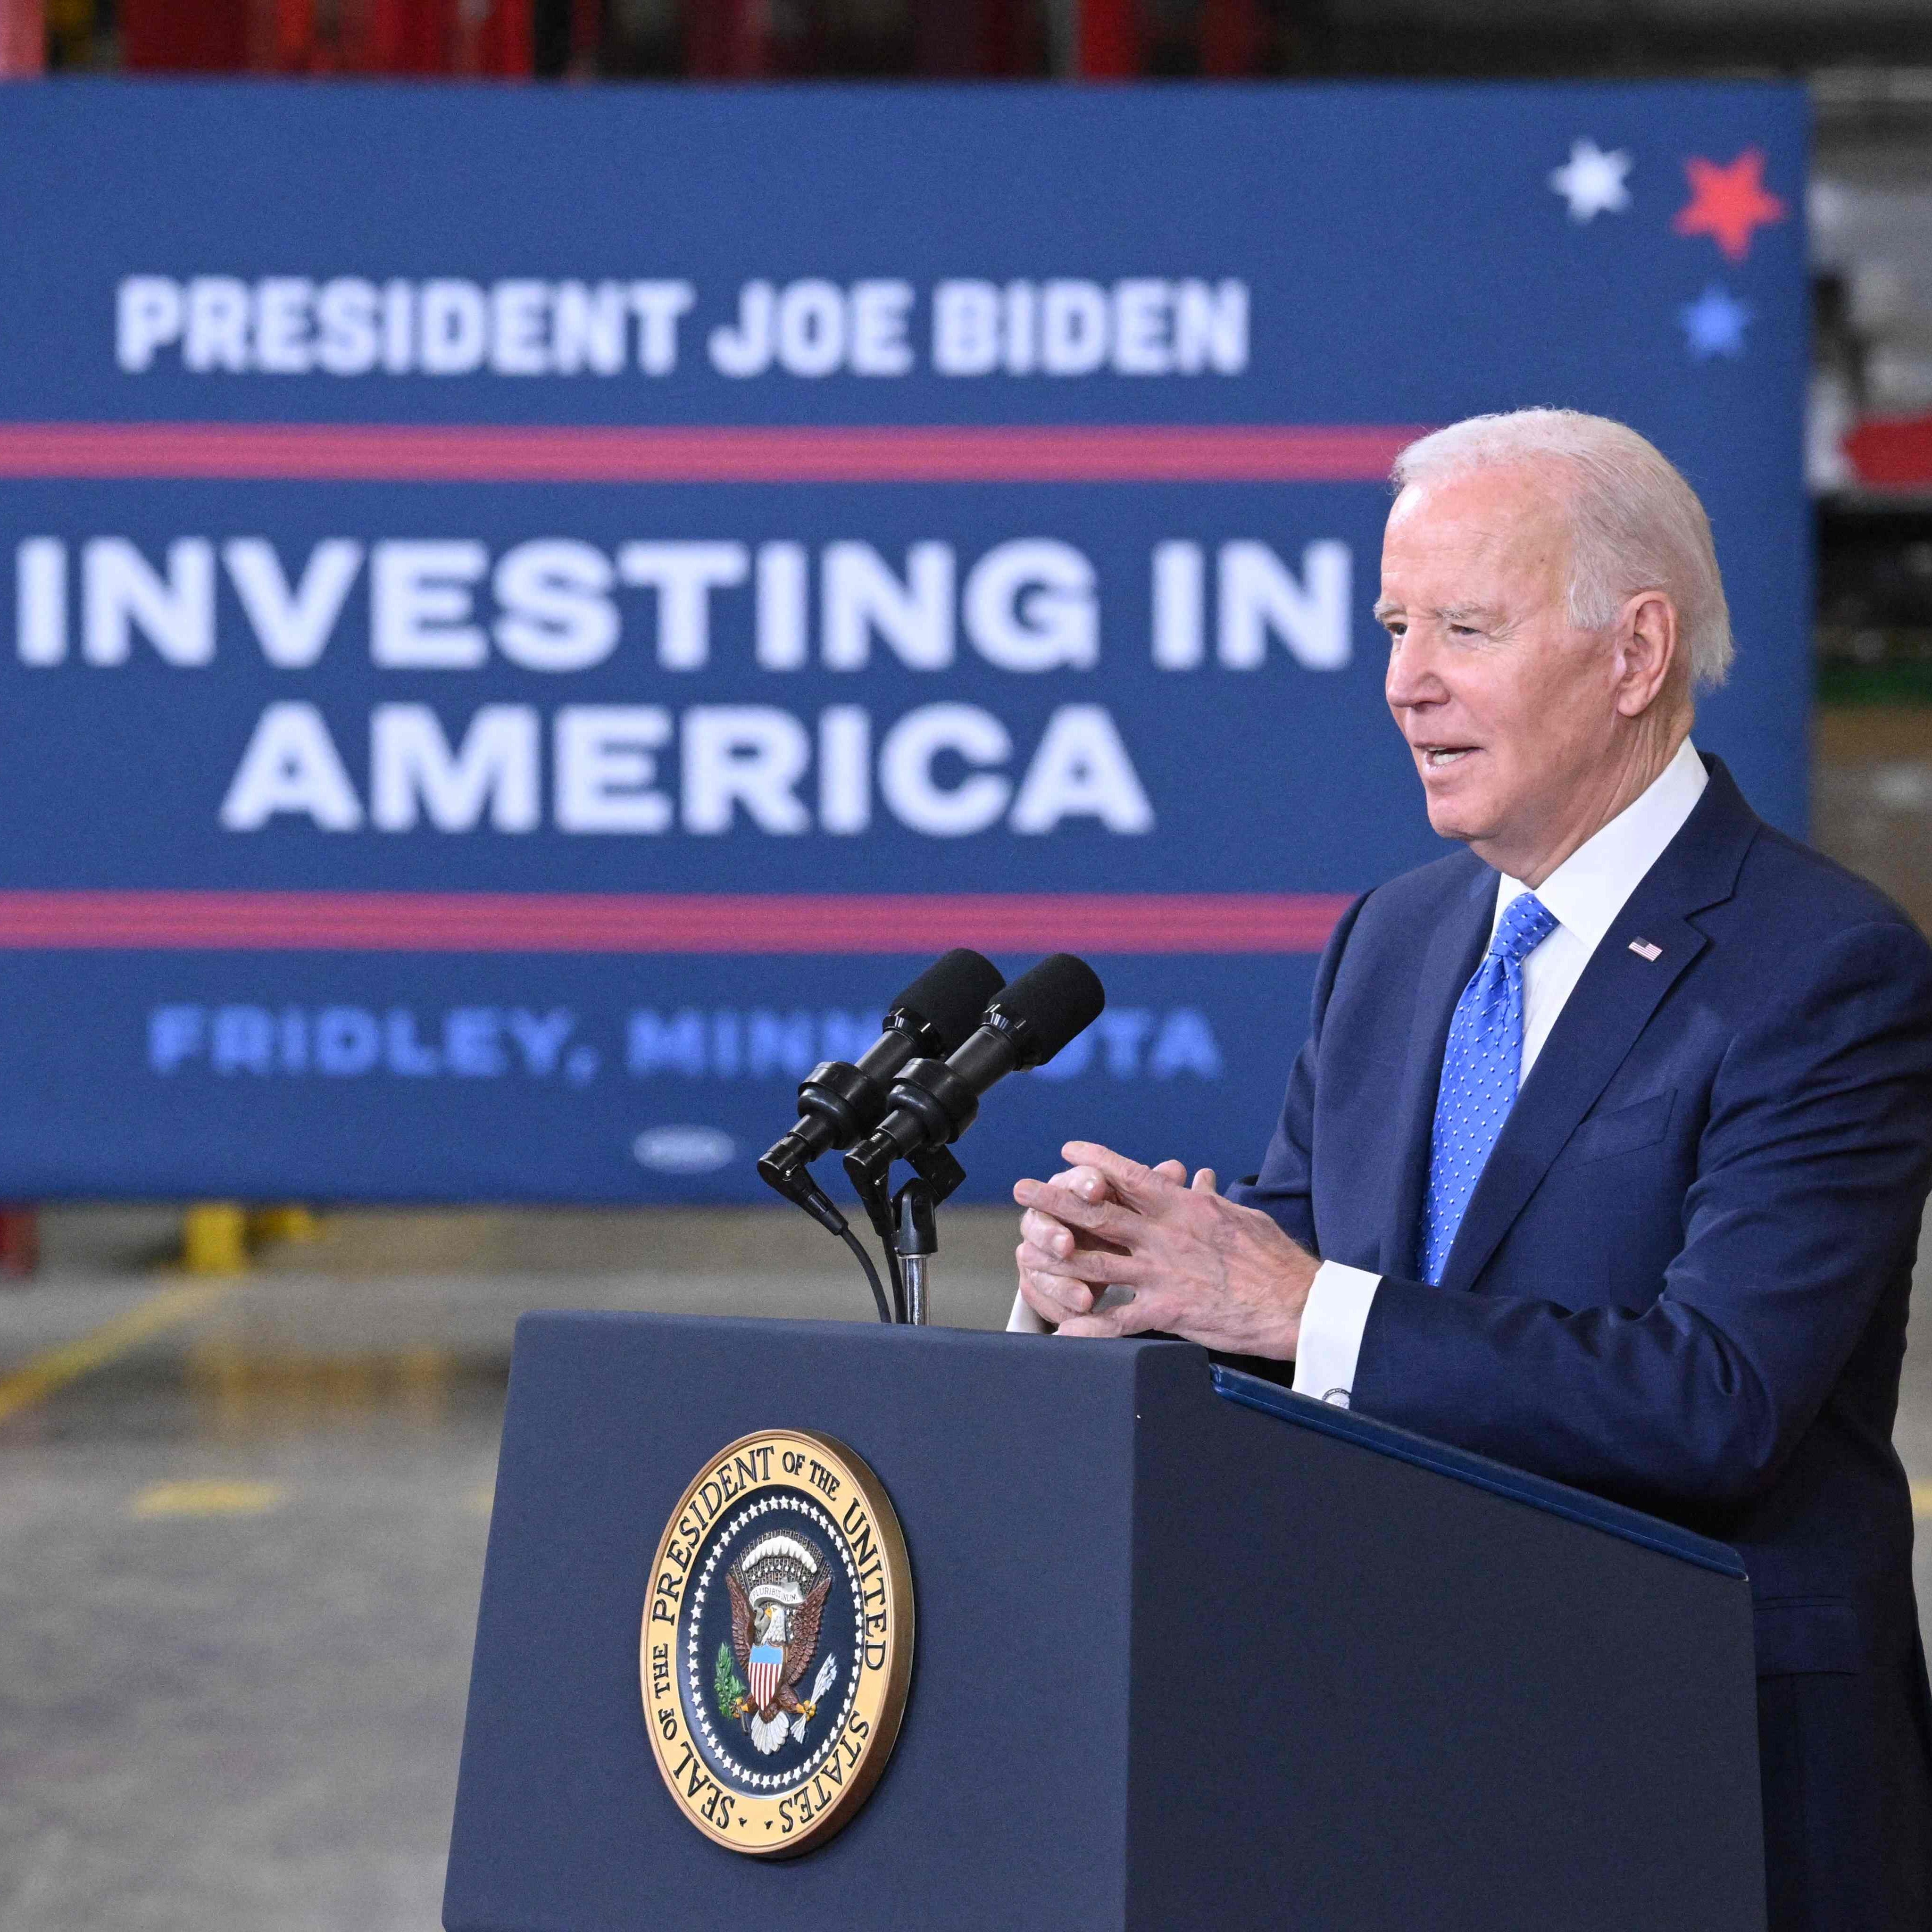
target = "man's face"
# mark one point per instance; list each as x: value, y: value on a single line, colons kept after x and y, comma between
x: 1510, y: 711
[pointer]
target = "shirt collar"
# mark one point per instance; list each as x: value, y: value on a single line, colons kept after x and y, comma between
x: 1589, y: 889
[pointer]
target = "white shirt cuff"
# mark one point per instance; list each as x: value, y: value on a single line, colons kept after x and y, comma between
x: 1337, y: 1312
x: 1023, y: 1321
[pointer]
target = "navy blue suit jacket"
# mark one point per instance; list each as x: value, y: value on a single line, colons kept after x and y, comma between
x: 1682, y: 1279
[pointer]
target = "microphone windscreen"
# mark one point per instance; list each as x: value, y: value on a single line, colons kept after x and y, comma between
x: 950, y: 996
x: 1060, y: 997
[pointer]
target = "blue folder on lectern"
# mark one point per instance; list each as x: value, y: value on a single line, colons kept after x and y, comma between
x: 1191, y: 1651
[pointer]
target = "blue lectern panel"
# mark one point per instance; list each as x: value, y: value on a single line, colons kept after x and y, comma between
x: 1180, y: 1662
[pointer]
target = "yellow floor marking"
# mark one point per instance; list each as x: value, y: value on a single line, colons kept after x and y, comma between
x: 208, y: 1498
x: 36, y: 1379
x: 1921, y: 1499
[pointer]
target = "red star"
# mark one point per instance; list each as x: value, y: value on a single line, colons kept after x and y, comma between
x: 1728, y: 204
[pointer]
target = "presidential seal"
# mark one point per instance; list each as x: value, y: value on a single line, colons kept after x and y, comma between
x: 777, y: 1644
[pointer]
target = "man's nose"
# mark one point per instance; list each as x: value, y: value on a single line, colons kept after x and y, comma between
x: 1412, y: 679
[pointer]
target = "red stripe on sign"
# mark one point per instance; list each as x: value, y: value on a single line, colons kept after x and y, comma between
x: 723, y: 923
x: 389, y: 453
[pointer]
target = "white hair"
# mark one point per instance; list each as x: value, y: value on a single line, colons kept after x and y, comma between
x: 1635, y: 523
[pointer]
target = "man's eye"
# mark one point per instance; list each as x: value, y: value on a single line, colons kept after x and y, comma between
x: 1395, y: 628
x: 1462, y: 630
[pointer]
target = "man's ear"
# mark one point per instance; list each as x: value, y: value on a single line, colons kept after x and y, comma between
x: 1649, y: 649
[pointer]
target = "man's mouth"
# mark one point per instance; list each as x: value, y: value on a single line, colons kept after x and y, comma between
x: 1437, y: 757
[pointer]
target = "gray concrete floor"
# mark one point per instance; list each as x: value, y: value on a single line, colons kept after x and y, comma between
x: 239, y: 1560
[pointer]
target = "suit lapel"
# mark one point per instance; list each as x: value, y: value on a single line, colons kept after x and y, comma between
x: 1605, y: 1014
x: 1458, y: 942
x: 1611, y: 1006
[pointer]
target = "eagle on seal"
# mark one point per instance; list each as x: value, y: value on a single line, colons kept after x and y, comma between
x: 778, y: 1589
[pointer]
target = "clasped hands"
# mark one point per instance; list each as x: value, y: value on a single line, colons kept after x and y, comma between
x: 1196, y: 1265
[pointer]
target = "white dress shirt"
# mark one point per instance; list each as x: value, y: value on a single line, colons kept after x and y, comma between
x: 1585, y: 893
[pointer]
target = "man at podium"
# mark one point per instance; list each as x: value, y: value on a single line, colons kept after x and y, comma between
x: 1607, y: 1150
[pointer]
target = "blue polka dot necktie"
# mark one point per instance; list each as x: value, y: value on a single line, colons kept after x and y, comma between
x: 1482, y: 1063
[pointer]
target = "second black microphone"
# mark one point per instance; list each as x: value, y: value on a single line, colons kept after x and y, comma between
x: 934, y: 1101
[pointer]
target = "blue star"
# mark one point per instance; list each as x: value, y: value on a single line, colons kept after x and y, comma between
x: 1714, y: 325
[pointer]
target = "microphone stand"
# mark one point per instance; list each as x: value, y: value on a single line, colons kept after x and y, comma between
x: 915, y: 1241
x: 915, y: 1225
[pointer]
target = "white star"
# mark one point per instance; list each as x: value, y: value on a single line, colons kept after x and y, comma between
x: 1592, y: 182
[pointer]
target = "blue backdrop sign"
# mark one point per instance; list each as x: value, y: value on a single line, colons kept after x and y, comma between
x: 533, y: 612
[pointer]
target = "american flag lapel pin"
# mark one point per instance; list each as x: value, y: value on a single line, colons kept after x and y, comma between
x: 1644, y: 950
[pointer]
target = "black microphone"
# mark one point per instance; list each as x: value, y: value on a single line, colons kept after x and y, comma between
x: 838, y: 1101
x: 934, y: 1101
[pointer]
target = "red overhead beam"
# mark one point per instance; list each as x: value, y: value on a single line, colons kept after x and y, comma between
x: 185, y: 36
x: 1109, y: 43
x: 23, y: 47
x: 421, y: 37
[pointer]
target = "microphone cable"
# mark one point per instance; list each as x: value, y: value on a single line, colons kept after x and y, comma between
x: 816, y: 1202
x: 872, y: 1281
x: 878, y: 1207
